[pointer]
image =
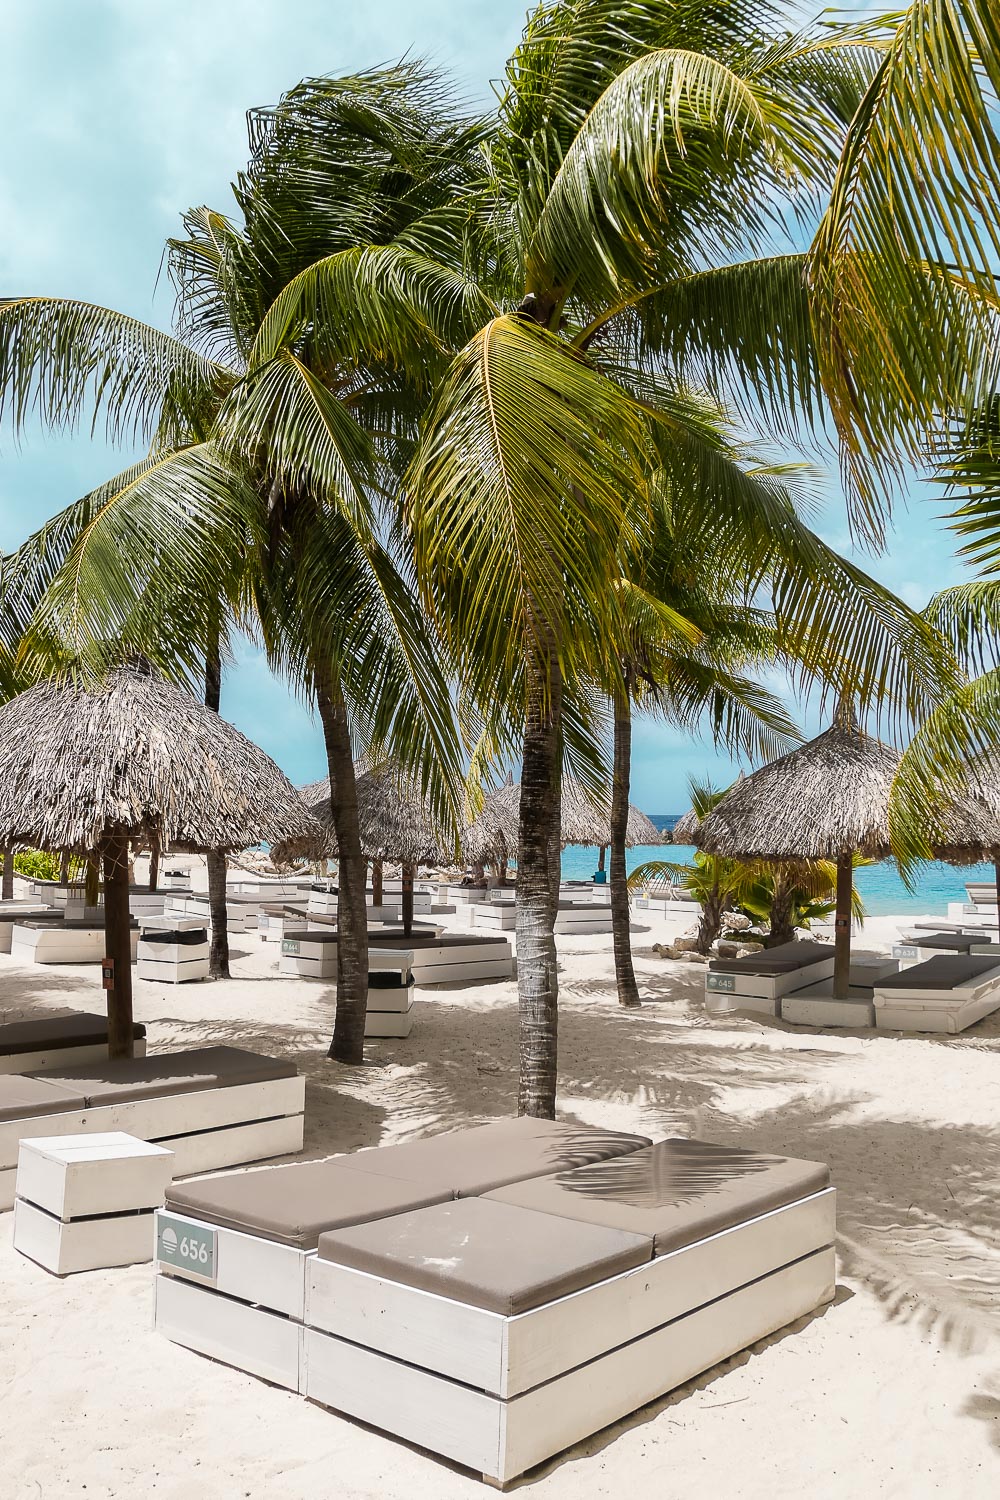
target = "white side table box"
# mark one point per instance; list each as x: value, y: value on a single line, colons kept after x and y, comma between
x: 86, y: 1202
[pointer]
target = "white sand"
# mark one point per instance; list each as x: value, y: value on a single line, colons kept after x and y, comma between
x: 892, y: 1391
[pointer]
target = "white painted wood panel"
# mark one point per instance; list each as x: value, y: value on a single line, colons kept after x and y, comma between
x: 255, y: 1270
x: 450, y: 1419
x: 67, y: 1247
x: 554, y: 1416
x: 61, y: 1057
x: 451, y: 1338
x: 73, y: 1176
x: 259, y: 1342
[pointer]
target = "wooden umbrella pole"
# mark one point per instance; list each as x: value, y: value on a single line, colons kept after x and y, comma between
x: 407, y: 874
x: 118, y: 962
x: 842, y: 927
x: 376, y: 882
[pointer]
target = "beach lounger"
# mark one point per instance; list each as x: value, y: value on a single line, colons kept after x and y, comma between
x: 40, y: 940
x: 32, y: 1046
x: 500, y: 915
x: 757, y: 982
x: 946, y: 993
x: 449, y: 958
x: 816, y: 1004
x: 22, y: 911
x: 923, y: 945
x: 500, y: 1330
x: 260, y: 1229
x: 212, y: 1106
x: 311, y: 952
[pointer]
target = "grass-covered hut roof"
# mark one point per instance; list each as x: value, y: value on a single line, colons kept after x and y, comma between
x: 396, y: 821
x: 823, y: 799
x: 494, y: 833
x: 140, y: 756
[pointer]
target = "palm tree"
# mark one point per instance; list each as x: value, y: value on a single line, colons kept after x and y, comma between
x: 642, y: 163
x: 276, y: 419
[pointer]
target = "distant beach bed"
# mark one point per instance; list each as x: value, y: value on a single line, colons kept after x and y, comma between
x: 882, y: 890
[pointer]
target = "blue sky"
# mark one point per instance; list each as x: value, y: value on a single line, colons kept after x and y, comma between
x: 117, y: 115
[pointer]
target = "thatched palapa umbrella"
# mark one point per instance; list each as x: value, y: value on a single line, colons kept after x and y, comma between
x: 827, y: 799
x: 494, y: 833
x: 87, y: 768
x: 397, y: 825
x: 968, y: 826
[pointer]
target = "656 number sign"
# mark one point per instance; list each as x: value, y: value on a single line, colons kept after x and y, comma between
x: 186, y: 1247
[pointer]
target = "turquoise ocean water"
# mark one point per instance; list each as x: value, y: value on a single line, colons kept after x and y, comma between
x: 881, y: 888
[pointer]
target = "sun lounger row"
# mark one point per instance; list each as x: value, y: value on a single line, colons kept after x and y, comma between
x: 495, y: 1294
x: 32, y: 1046
x: 212, y: 1106
x: 949, y: 982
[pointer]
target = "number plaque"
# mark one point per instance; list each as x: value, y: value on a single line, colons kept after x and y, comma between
x: 186, y: 1247
x: 722, y: 983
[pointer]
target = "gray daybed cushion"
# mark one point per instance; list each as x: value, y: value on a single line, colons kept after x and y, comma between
x: 473, y: 1161
x: 943, y: 972
x: 52, y: 1033
x: 781, y: 960
x: 958, y: 942
x: 295, y: 1203
x: 676, y: 1192
x: 492, y: 1255
x: 125, y: 1079
x: 23, y: 1097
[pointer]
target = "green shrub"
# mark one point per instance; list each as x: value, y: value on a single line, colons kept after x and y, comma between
x: 36, y: 864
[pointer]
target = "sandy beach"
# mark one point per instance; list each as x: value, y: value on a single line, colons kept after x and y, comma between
x: 892, y: 1391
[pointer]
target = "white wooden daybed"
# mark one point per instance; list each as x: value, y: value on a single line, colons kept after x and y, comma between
x: 497, y: 1326
x: 40, y: 940
x: 757, y: 982
x: 946, y: 993
x: 22, y: 911
x: 34, y: 1044
x: 173, y: 956
x: 213, y: 1106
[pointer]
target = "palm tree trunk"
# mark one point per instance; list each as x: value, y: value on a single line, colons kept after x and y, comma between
x: 407, y: 904
x: 628, y: 990
x: 348, y: 1045
x: 538, y: 891
x: 602, y: 856
x: 154, y: 864
x: 710, y: 921
x: 92, y: 882
x: 118, y: 943
x: 64, y: 869
x: 218, y: 957
x: 782, y: 928
x: 842, y: 927
x: 7, y: 885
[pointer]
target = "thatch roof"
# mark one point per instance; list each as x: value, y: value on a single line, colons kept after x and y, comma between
x: 686, y: 829
x: 396, y: 822
x: 968, y: 830
x: 141, y: 756
x: 494, y: 834
x: 823, y: 799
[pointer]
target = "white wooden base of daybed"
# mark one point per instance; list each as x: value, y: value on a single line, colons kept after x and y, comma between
x: 817, y: 1006
x: 206, y: 1130
x: 253, y: 1270
x: 61, y: 1057
x: 503, y: 1438
x: 249, y: 1338
x: 950, y: 1015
